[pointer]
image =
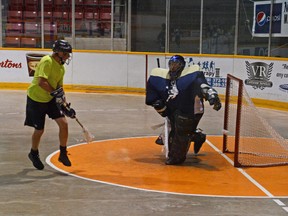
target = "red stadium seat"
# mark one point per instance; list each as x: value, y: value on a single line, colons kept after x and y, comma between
x: 32, y: 2
x: 79, y: 2
x: 15, y: 16
x: 104, y: 2
x: 59, y: 15
x: 31, y: 28
x: 50, y: 28
x: 65, y: 15
x: 90, y: 2
x: 78, y: 15
x: 89, y: 15
x: 48, y: 15
x: 61, y: 2
x: 14, y: 29
x: 79, y: 8
x: 12, y: 42
x: 105, y: 15
x: 16, y: 4
x: 48, y: 5
x: 32, y: 5
x: 28, y: 42
x: 62, y: 5
x: 30, y: 15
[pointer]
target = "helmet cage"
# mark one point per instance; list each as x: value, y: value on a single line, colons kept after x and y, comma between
x: 176, y: 65
x: 65, y: 47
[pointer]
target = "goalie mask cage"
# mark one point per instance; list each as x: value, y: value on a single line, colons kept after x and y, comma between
x: 248, y: 135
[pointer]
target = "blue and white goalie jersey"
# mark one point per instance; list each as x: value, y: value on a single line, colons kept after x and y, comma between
x: 183, y: 94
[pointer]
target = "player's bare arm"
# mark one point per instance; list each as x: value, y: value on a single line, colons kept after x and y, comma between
x: 43, y: 83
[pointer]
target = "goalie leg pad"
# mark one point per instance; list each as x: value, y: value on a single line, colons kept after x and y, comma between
x: 185, y: 125
x: 179, y: 144
x: 178, y: 148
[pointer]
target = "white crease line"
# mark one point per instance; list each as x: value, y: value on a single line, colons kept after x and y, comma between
x: 241, y: 170
x: 248, y: 176
x: 48, y: 161
x: 279, y: 202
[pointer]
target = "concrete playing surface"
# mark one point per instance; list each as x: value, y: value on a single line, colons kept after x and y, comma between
x: 122, y: 172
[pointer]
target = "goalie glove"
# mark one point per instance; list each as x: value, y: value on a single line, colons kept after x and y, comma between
x: 62, y: 105
x: 160, y: 107
x: 211, y: 95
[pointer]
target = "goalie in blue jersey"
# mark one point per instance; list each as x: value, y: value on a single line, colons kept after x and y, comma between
x: 178, y: 94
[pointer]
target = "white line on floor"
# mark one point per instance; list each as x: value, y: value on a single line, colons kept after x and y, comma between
x: 48, y: 161
x: 264, y: 190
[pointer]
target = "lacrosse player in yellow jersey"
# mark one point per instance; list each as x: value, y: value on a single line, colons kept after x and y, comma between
x: 45, y: 96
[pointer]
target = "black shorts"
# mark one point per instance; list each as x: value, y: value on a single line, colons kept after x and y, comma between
x: 36, y: 113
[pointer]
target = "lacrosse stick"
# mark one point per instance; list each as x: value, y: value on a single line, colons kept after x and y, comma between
x: 87, y: 135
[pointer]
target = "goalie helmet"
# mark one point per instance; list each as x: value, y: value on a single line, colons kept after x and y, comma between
x: 176, y: 65
x: 62, y: 46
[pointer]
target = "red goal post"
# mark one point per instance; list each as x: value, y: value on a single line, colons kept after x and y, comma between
x: 246, y: 134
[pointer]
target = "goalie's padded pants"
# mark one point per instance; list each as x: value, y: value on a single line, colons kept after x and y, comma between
x: 182, y: 129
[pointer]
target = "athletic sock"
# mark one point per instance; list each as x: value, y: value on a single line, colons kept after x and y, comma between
x: 63, y: 157
x: 63, y: 149
x: 34, y: 152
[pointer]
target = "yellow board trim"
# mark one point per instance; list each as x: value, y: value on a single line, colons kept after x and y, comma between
x: 78, y: 88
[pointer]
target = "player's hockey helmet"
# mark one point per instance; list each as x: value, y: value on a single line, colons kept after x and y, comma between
x: 62, y: 46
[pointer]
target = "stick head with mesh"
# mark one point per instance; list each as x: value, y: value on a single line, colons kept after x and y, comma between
x: 87, y: 135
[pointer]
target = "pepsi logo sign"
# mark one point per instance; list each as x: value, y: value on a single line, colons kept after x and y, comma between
x: 261, y: 18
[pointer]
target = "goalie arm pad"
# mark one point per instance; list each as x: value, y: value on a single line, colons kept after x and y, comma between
x: 211, y: 95
x: 160, y: 107
x: 62, y: 104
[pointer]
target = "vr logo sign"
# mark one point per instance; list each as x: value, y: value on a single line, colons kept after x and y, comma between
x: 259, y: 74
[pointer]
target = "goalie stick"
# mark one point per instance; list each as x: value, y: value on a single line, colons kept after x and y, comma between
x: 166, y: 132
x: 87, y: 135
x: 166, y: 126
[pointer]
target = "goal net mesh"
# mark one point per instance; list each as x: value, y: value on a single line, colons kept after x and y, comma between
x: 247, y: 134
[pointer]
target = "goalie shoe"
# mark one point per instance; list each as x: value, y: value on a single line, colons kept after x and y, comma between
x: 199, y: 138
x: 159, y: 140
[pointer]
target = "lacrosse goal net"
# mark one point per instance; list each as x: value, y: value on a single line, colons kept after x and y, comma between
x: 247, y: 134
